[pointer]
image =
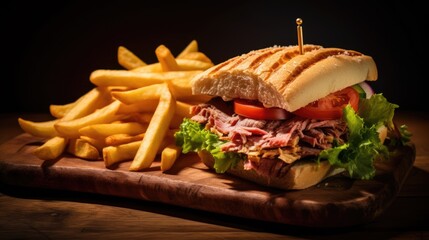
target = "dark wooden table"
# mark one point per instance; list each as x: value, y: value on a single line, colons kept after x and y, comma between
x: 33, y: 213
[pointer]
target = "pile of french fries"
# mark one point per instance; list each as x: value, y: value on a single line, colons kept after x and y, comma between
x: 130, y: 115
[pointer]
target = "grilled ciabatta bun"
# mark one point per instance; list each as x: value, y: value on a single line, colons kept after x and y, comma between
x: 281, y: 77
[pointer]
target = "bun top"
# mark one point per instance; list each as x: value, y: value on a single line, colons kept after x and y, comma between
x: 281, y: 77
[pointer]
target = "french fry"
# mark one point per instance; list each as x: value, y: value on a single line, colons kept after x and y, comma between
x: 106, y: 114
x: 128, y: 59
x: 138, y: 107
x: 88, y: 103
x: 142, y: 117
x: 181, y: 88
x: 122, y: 138
x: 196, y: 56
x: 82, y: 149
x: 169, y: 155
x: 156, y: 131
x: 51, y: 149
x: 154, y: 67
x: 103, y: 130
x: 133, y: 79
x: 127, y: 151
x: 174, y: 123
x: 151, y: 92
x: 44, y: 129
x: 116, y: 154
x: 130, y: 79
x: 166, y: 59
x: 59, y: 111
x: 117, y: 88
x: 183, y: 64
x: 96, y: 142
x: 183, y: 109
x: 191, y: 65
x: 192, y: 47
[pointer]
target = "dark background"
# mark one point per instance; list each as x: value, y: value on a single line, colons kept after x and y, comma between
x: 50, y: 49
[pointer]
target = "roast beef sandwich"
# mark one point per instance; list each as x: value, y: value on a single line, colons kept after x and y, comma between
x: 288, y: 120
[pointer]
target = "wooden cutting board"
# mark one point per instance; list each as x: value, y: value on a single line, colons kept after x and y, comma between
x: 337, y: 201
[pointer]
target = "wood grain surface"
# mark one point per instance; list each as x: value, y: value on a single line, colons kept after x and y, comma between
x: 337, y: 201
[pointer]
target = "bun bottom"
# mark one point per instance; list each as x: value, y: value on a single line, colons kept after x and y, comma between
x: 302, y: 174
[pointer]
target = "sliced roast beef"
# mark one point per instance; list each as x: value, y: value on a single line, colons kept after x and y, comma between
x: 293, y: 138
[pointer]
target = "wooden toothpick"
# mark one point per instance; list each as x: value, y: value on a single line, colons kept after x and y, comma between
x: 300, y: 37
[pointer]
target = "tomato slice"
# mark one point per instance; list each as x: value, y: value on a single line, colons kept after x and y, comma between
x: 255, y: 109
x: 331, y: 106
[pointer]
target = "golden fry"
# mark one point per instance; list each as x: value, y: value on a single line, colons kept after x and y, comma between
x: 96, y: 98
x: 39, y: 129
x: 197, y: 56
x: 106, y: 114
x: 183, y: 64
x: 104, y: 130
x: 96, y: 142
x: 166, y: 59
x: 183, y: 109
x: 181, y: 88
x: 126, y: 152
x: 190, y: 65
x: 139, y: 94
x: 192, y: 47
x: 169, y: 155
x: 175, y: 122
x: 122, y: 138
x: 156, y: 131
x: 153, y: 68
x: 82, y: 149
x: 51, y: 149
x: 59, y: 111
x: 128, y: 59
x: 115, y: 154
x: 141, y: 117
x: 133, y: 79
x: 139, y: 107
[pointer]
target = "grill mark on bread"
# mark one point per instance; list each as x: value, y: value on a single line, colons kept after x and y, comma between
x: 249, y: 55
x: 313, y: 60
x: 263, y: 54
x: 282, y: 60
x: 233, y: 62
x: 253, y: 65
x: 221, y: 65
x: 288, y: 55
x: 291, y: 54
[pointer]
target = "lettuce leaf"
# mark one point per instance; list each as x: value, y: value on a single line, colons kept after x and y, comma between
x: 363, y: 145
x: 192, y: 137
x: 377, y: 111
